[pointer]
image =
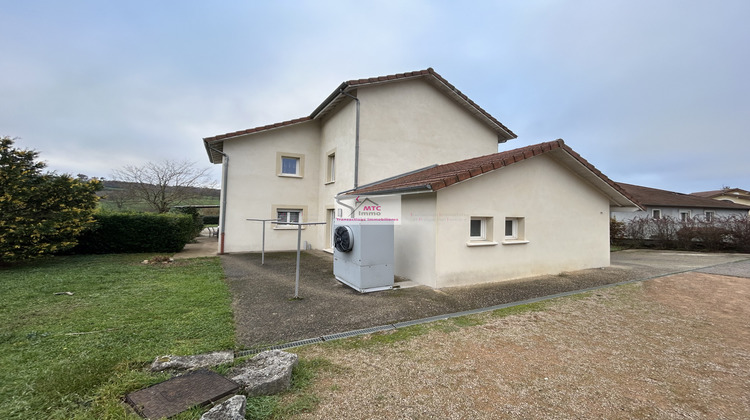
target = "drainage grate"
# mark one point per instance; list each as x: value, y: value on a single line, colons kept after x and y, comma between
x: 279, y: 346
x: 358, y: 332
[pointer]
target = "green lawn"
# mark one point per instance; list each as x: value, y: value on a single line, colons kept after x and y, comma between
x: 66, y: 357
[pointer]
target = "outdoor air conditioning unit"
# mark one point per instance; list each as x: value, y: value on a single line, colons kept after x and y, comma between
x: 363, y: 256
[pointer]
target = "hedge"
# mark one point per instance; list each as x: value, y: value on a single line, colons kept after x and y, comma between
x: 136, y: 232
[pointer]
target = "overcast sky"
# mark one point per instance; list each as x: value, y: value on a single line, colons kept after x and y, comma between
x: 651, y: 92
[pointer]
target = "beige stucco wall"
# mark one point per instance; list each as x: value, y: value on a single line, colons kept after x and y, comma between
x: 414, y: 239
x: 566, y: 225
x: 409, y: 125
x: 254, y: 188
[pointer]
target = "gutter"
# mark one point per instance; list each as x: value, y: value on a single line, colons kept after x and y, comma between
x: 395, y: 191
x: 224, y: 177
x: 356, y: 139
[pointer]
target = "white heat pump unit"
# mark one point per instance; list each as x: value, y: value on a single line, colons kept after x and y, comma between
x: 363, y: 256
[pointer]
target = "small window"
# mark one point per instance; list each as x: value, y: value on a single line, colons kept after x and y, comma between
x: 478, y: 229
x: 514, y: 230
x: 684, y: 215
x: 709, y: 216
x: 288, y: 216
x: 656, y: 214
x: 331, y: 168
x: 290, y: 166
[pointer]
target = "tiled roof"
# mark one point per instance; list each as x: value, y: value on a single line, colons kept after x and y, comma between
x: 257, y: 129
x: 337, y: 96
x: 726, y: 191
x: 441, y: 176
x: 653, y: 197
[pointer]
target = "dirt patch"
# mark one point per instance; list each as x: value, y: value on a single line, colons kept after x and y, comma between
x: 673, y: 347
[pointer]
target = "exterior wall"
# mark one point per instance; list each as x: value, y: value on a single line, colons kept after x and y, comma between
x: 566, y: 224
x: 409, y: 125
x: 674, y: 212
x: 337, y: 135
x: 414, y: 239
x: 254, y: 188
x: 739, y: 199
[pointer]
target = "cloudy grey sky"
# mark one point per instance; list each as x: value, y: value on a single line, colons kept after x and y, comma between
x: 652, y: 92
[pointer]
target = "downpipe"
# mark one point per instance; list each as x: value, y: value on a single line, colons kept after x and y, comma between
x: 356, y: 140
x: 224, y: 178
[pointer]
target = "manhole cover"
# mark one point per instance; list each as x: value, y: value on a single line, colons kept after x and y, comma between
x: 180, y: 393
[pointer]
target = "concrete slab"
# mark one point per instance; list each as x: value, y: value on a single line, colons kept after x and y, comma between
x: 204, y: 246
x: 735, y: 269
x: 180, y: 393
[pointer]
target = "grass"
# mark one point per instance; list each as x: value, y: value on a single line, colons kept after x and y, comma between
x: 299, y: 398
x: 77, y: 356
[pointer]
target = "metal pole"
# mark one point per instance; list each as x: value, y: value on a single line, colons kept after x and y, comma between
x: 263, y: 245
x: 296, y: 276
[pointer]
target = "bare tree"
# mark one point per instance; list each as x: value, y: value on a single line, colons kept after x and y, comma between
x: 165, y: 184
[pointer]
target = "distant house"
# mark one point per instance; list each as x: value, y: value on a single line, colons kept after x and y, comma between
x: 735, y: 195
x: 485, y: 216
x: 662, y: 203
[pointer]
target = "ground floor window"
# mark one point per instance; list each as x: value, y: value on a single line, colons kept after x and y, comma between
x: 288, y: 215
x: 656, y: 214
x: 709, y: 216
x: 684, y: 215
x: 514, y: 229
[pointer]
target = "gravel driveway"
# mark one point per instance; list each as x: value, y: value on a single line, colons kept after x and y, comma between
x: 266, y: 315
x: 672, y: 347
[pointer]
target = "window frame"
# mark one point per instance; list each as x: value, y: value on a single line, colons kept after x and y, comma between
x: 290, y: 208
x: 331, y: 167
x: 656, y: 214
x: 486, y: 233
x: 518, y: 231
x: 709, y: 215
x: 300, y: 166
x: 686, y: 214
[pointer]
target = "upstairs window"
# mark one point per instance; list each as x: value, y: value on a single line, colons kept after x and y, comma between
x: 290, y: 165
x: 331, y: 168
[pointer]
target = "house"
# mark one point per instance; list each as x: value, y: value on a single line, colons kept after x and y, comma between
x: 658, y: 204
x: 471, y: 214
x: 365, y: 130
x: 540, y: 209
x: 735, y: 195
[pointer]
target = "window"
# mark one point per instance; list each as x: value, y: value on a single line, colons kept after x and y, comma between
x: 480, y: 232
x: 656, y: 214
x: 290, y: 165
x: 514, y: 230
x: 331, y: 168
x: 709, y: 216
x: 288, y: 216
x: 478, y: 229
x: 684, y: 215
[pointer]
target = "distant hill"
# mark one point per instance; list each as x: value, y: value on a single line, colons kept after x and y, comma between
x: 111, y: 198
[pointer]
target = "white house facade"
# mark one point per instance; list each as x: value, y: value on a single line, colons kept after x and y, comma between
x: 470, y: 215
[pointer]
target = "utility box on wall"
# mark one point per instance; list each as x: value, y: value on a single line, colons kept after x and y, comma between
x: 363, y: 256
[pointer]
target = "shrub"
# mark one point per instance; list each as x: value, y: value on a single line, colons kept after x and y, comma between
x: 40, y: 213
x: 197, y: 219
x: 616, y: 230
x: 721, y: 233
x: 136, y: 232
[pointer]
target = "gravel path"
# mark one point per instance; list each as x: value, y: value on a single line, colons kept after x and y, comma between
x: 671, y: 347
